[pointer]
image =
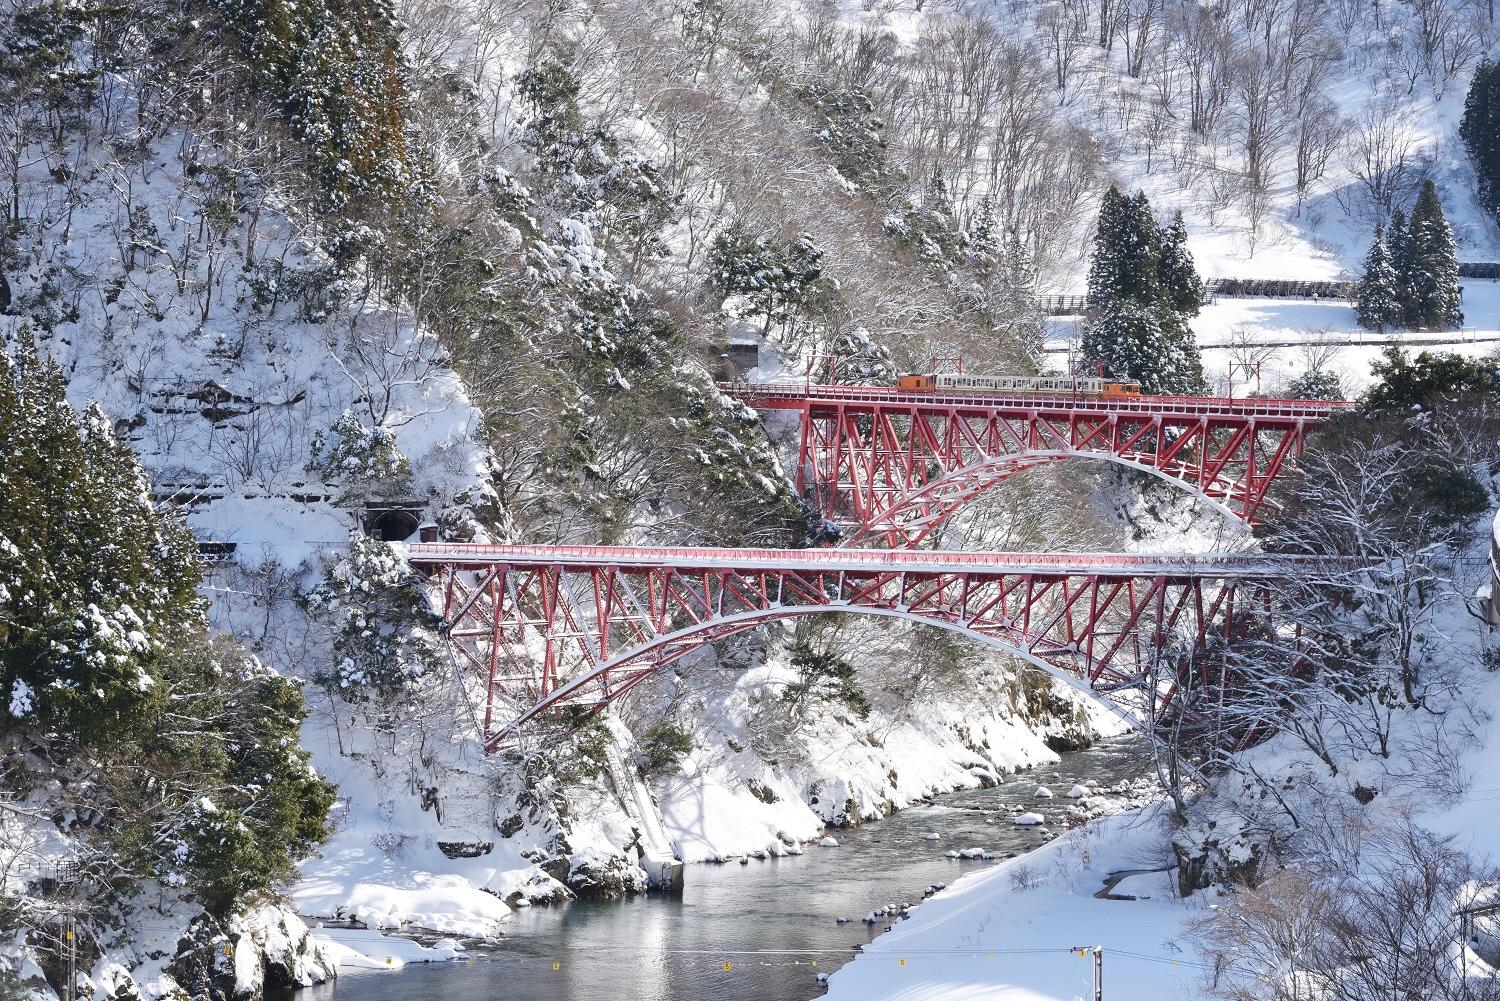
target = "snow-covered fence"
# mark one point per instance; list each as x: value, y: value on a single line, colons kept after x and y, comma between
x: 1280, y: 288
x: 1063, y: 305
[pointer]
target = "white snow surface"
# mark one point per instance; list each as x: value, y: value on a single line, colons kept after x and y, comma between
x: 972, y: 941
x: 954, y: 944
x: 1281, y: 336
x: 368, y: 949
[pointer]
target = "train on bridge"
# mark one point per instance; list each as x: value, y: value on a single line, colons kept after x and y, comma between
x: 1019, y: 385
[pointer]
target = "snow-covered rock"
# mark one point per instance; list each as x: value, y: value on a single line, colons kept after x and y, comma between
x: 1028, y: 820
x: 828, y: 843
x: 1042, y: 792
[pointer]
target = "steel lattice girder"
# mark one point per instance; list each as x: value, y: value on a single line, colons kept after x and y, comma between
x: 539, y: 626
x: 894, y: 465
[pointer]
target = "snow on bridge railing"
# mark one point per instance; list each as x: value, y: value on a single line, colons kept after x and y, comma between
x: 808, y: 392
x: 1243, y: 565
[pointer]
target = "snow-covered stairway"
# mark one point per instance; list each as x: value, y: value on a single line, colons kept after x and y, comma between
x: 658, y: 857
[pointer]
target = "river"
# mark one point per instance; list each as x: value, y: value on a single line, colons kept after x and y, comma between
x: 770, y: 921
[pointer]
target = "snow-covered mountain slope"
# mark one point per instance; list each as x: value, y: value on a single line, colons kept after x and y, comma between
x: 194, y: 286
x: 1281, y: 131
x: 1007, y: 932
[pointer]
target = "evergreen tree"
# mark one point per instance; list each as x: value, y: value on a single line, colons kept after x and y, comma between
x: 1398, y: 249
x: 1135, y: 329
x: 1433, y: 290
x: 1179, y: 277
x: 384, y: 638
x: 188, y: 747
x: 1126, y: 253
x: 755, y: 277
x: 98, y: 588
x: 1481, y: 132
x: 1379, y: 302
x: 984, y: 234
x: 1429, y: 380
x: 939, y: 200
x: 1128, y: 340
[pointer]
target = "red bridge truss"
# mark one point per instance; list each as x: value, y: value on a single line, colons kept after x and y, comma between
x: 893, y: 464
x: 535, y: 627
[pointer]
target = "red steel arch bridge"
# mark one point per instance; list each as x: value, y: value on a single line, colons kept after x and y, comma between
x: 534, y: 627
x: 892, y: 464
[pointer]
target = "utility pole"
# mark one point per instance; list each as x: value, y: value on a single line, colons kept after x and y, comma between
x: 1098, y: 951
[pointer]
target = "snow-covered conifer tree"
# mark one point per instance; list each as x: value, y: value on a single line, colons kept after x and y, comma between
x: 1379, y: 301
x: 1128, y: 340
x: 1433, y: 290
x: 984, y: 233
x: 1134, y: 321
x: 1481, y: 132
x: 1179, y: 276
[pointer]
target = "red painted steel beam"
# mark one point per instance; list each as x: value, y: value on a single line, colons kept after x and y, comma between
x: 892, y: 465
x: 583, y: 625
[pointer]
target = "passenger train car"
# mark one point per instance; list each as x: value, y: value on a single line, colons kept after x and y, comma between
x: 1019, y: 385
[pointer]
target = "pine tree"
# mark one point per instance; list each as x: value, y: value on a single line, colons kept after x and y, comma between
x: 1135, y: 329
x: 1179, y: 277
x: 1379, y: 303
x: 984, y: 234
x: 1126, y: 252
x: 1398, y: 248
x: 1481, y: 132
x: 1128, y: 340
x: 1433, y: 290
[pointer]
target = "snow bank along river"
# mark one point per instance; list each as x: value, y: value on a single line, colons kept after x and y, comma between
x: 769, y: 920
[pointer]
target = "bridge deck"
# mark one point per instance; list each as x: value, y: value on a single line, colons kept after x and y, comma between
x: 802, y: 395
x: 1217, y: 565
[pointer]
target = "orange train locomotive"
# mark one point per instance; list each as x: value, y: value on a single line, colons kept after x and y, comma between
x: 1013, y: 385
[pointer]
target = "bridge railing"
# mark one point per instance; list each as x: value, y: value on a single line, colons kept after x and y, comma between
x: 894, y: 559
x: 1196, y: 405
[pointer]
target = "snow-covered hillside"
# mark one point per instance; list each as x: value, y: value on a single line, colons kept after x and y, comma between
x: 488, y: 288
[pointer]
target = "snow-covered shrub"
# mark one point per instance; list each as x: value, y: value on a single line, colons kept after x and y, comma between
x: 663, y: 746
x: 363, y: 460
x: 847, y: 126
x: 824, y: 679
x: 1317, y: 384
x: 384, y: 638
